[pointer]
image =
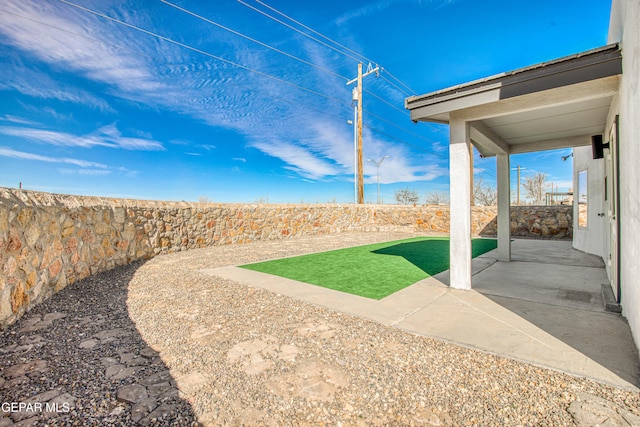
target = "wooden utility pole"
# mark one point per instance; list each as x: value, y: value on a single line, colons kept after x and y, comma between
x: 358, y: 131
x: 359, y: 149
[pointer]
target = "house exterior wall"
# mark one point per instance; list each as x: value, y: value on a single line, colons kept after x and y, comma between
x: 589, y: 239
x: 624, y: 27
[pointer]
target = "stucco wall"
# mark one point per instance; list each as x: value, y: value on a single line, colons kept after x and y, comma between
x: 48, y: 241
x: 589, y: 239
x: 625, y: 23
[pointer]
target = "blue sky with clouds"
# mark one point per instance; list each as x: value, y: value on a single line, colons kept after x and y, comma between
x: 229, y: 100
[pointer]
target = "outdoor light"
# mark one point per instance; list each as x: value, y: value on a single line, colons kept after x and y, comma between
x: 598, y: 146
x: 564, y: 158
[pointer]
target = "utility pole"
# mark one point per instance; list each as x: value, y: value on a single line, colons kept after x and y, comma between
x: 378, y: 163
x: 355, y: 145
x: 358, y: 150
x: 518, y: 185
x: 518, y: 199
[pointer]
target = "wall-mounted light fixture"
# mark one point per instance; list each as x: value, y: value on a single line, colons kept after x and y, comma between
x: 597, y: 146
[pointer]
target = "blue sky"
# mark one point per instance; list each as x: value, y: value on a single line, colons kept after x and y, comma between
x: 223, y: 101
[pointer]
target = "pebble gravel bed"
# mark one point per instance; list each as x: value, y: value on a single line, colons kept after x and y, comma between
x: 162, y: 343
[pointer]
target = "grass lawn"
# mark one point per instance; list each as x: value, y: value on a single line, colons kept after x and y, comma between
x: 372, y: 271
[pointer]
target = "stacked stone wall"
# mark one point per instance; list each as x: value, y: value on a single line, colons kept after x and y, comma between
x: 48, y: 241
x: 537, y: 222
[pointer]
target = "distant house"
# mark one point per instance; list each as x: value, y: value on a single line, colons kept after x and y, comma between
x: 590, y: 102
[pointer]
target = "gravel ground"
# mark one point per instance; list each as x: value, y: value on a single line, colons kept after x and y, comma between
x: 160, y: 343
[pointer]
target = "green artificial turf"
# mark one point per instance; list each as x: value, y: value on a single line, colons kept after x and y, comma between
x: 372, y: 271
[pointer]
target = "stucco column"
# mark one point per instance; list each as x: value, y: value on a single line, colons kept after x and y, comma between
x: 460, y: 204
x: 504, y: 208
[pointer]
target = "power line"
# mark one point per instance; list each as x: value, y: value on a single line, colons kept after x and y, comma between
x: 397, y: 126
x: 376, y: 130
x: 189, y: 12
x: 493, y: 177
x: 315, y: 32
x: 358, y: 56
x: 410, y: 91
x: 202, y: 52
x: 404, y: 112
x: 183, y: 45
x: 307, y: 107
x: 298, y: 31
x: 387, y: 102
x: 341, y: 102
x: 252, y: 39
x: 404, y: 91
x: 417, y: 147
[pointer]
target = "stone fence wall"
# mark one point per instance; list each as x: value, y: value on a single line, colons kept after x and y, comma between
x: 48, y: 241
x: 537, y: 222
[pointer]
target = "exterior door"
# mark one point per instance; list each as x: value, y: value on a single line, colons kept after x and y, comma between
x: 611, y: 206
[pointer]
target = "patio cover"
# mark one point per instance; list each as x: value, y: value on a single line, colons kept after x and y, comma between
x: 551, y: 105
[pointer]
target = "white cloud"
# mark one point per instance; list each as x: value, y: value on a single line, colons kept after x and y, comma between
x: 382, y: 5
x: 127, y: 172
x: 562, y: 185
x: 85, y: 172
x: 299, y: 160
x: 76, y: 43
x: 113, y: 137
x: 21, y: 155
x: 18, y: 120
x: 51, y: 137
x: 107, y: 136
x: 39, y: 85
x: 280, y: 120
x: 55, y: 114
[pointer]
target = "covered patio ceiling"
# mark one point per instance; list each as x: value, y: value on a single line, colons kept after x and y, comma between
x: 551, y: 105
x: 555, y: 104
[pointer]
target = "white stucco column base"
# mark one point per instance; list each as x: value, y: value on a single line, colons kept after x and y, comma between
x: 504, y: 208
x: 460, y: 202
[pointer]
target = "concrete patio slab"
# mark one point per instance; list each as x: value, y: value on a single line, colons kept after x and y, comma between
x: 567, y: 286
x: 548, y: 312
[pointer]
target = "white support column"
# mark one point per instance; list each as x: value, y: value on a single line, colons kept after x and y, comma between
x: 504, y: 207
x: 460, y: 204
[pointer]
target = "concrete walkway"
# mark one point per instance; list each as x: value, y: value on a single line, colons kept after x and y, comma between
x: 545, y: 308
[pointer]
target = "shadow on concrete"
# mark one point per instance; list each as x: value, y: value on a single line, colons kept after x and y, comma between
x: 558, y: 289
x: 432, y: 255
x: 603, y: 337
x: 80, y: 352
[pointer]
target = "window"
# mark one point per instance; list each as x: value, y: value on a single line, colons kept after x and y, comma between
x: 582, y: 199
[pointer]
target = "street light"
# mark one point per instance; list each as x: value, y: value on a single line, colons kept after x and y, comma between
x: 378, y: 163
